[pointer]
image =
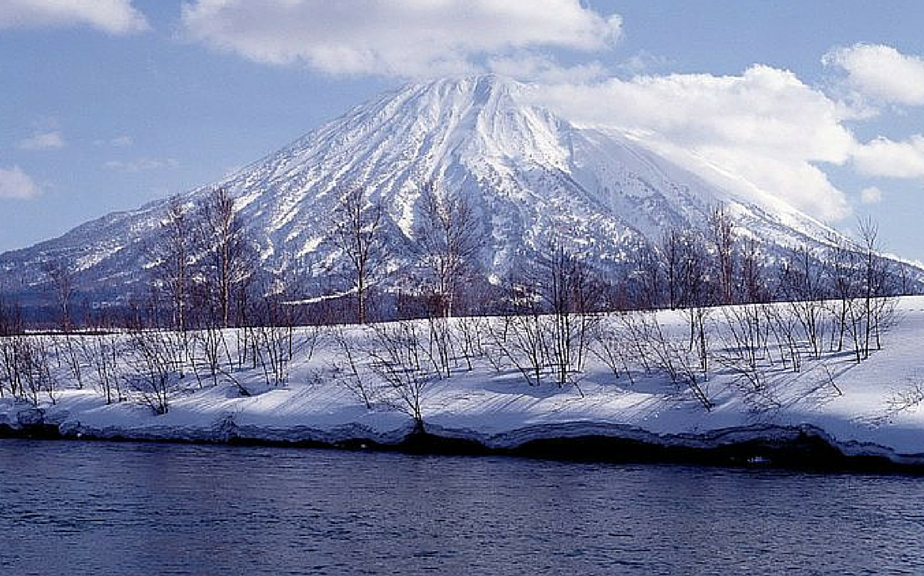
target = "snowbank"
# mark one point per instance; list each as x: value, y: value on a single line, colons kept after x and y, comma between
x: 867, y: 409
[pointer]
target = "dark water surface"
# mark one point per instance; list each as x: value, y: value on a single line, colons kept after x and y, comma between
x: 134, y: 509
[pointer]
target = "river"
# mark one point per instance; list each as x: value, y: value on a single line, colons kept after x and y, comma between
x: 71, y: 507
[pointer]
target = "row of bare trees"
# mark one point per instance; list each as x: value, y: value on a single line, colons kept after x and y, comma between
x: 24, y: 362
x: 147, y: 365
x: 723, y: 265
x: 206, y: 270
x: 204, y: 259
x: 446, y: 242
x: 205, y: 279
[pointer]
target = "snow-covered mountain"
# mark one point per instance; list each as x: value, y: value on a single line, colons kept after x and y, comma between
x: 530, y: 177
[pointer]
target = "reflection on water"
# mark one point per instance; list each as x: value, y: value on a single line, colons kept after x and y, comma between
x: 106, y: 508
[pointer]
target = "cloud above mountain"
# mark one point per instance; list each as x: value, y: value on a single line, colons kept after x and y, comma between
x: 16, y: 184
x: 889, y: 159
x: 111, y: 16
x: 880, y: 72
x: 765, y: 126
x: 405, y: 38
x: 764, y: 131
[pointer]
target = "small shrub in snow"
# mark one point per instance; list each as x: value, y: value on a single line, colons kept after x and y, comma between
x: 397, y: 356
x: 345, y: 370
x: 154, y: 366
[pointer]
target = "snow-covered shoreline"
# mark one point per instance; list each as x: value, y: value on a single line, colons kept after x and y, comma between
x: 800, y: 447
x: 866, y: 411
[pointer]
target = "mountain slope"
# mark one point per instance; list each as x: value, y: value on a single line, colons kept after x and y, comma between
x: 528, y: 175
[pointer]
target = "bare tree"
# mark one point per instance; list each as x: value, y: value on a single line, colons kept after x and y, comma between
x: 60, y: 274
x: 25, y: 368
x: 441, y: 344
x: 672, y: 256
x: 613, y: 346
x: 801, y: 284
x: 448, y: 241
x: 634, y: 326
x: 878, y: 305
x: 723, y: 237
x: 357, y: 231
x: 229, y: 251
x: 174, y: 251
x: 656, y: 347
x: 573, y: 295
x: 696, y: 295
x: 68, y: 349
x: 11, y: 330
x: 398, y: 359
x: 549, y: 325
x: 906, y: 283
x: 272, y: 335
x: 153, y: 367
x: 472, y: 332
x: 519, y: 336
x: 744, y: 344
x: 646, y: 281
x: 346, y: 369
x: 753, y: 282
x: 785, y: 328
x: 35, y: 369
x: 841, y: 260
x: 103, y: 353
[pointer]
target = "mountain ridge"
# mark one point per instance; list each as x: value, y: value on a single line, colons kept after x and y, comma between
x: 530, y: 176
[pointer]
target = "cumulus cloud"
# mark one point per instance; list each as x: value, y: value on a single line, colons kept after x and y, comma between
x: 890, y: 159
x: 405, y: 38
x: 112, y: 16
x: 871, y: 195
x: 881, y: 72
x: 763, y: 132
x: 765, y: 126
x: 53, y: 140
x: 14, y: 183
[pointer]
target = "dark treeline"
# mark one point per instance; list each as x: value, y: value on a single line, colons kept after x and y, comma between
x: 205, y: 272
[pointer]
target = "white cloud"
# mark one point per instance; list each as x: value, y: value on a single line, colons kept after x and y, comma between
x: 123, y: 141
x: 406, y: 38
x: 141, y: 164
x: 112, y: 16
x: 890, y: 159
x: 542, y: 68
x: 43, y: 141
x: 14, y: 183
x: 871, y: 195
x: 643, y: 62
x: 881, y: 72
x: 765, y: 126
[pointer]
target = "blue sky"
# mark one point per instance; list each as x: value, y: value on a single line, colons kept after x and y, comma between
x: 108, y: 104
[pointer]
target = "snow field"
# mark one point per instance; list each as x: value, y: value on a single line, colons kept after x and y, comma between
x: 871, y: 407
